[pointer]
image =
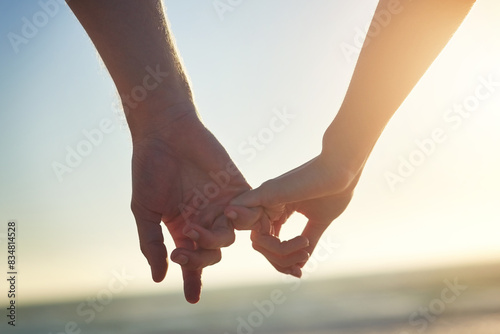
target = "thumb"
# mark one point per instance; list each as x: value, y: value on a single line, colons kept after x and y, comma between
x: 250, y: 199
x: 268, y: 193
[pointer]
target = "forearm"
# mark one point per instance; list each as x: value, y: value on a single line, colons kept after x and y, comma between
x: 389, y: 66
x: 133, y: 39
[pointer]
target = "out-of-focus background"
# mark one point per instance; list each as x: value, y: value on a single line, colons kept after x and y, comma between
x: 416, y: 251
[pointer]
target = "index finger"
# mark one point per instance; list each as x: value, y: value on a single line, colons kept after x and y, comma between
x: 151, y: 242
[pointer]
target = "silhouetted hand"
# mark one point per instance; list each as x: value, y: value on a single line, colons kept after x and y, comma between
x: 181, y: 175
x: 266, y: 208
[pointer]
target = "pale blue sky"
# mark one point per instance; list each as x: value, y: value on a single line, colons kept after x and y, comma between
x: 263, y: 56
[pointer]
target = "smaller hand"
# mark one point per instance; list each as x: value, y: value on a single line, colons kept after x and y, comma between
x: 274, y: 201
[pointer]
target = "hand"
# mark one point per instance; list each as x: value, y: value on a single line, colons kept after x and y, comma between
x: 181, y: 175
x: 326, y: 194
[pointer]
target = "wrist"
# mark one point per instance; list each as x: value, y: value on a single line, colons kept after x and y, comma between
x: 161, y: 120
x: 346, y: 144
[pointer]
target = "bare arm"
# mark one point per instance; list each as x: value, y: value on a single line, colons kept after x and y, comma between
x: 390, y: 64
x: 133, y: 39
x: 174, y: 155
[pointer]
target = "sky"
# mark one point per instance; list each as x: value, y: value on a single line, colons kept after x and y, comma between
x: 428, y: 195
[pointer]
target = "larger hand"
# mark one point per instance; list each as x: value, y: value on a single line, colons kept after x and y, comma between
x: 181, y: 175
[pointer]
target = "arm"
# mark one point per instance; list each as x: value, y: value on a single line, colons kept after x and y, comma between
x: 175, y: 158
x: 133, y: 40
x: 389, y: 66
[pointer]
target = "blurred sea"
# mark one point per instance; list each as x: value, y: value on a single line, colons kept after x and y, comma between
x: 462, y: 300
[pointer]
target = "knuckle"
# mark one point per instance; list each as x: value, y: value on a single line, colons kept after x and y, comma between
x: 231, y: 238
x: 144, y: 251
x: 217, y: 257
x: 257, y: 247
x: 304, y: 255
x: 134, y: 208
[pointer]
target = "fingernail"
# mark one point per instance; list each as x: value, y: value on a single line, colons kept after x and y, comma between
x: 181, y: 259
x: 232, y: 215
x: 193, y: 235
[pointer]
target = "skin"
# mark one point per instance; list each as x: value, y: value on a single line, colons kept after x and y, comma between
x: 390, y: 64
x: 169, y: 164
x: 169, y: 168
